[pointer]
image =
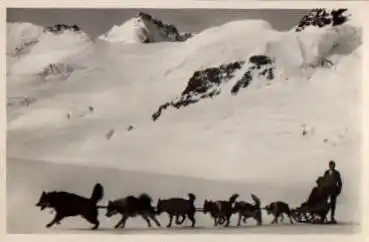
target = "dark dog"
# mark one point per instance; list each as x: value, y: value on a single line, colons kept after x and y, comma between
x: 221, y: 211
x: 178, y: 207
x: 68, y: 204
x: 132, y: 206
x: 247, y: 210
x: 277, y: 209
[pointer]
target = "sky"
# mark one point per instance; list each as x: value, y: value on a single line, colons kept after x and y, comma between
x: 96, y: 22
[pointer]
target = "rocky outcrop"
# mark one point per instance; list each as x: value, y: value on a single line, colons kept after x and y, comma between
x: 260, y: 66
x: 57, y: 70
x: 321, y: 17
x: 207, y: 83
x: 60, y: 28
x: 203, y: 84
x: 167, y: 31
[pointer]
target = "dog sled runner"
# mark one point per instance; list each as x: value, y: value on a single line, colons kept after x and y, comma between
x: 303, y: 217
x: 308, y: 218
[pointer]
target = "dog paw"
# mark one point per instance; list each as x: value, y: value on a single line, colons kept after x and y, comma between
x: 48, y: 225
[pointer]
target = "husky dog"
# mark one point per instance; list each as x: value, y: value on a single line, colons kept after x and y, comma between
x: 132, y: 206
x: 68, y: 204
x: 247, y: 210
x: 220, y: 210
x: 277, y: 209
x: 178, y: 207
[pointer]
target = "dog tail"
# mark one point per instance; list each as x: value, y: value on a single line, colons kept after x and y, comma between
x: 145, y: 198
x: 259, y: 216
x: 233, y: 198
x: 192, y: 197
x: 256, y: 200
x: 97, y: 193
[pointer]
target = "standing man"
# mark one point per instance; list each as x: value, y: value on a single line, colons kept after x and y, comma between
x: 335, y: 182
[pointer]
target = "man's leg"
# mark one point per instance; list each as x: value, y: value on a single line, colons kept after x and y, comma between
x: 333, y: 208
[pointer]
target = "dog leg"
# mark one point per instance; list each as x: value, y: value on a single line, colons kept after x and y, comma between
x: 221, y: 220
x: 147, y: 220
x: 191, y: 216
x: 124, y: 221
x: 183, y: 219
x: 279, y: 215
x: 275, y: 219
x: 215, y: 221
x: 170, y: 221
x: 92, y: 218
x: 58, y: 217
x: 228, y: 218
x: 152, y: 216
x: 289, y: 216
x: 282, y: 218
x: 119, y: 223
x: 239, y: 219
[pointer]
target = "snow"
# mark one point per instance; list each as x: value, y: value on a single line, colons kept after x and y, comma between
x: 129, y: 32
x: 67, y: 48
x: 253, y: 139
x: 137, y: 30
x: 21, y: 36
x: 23, y: 192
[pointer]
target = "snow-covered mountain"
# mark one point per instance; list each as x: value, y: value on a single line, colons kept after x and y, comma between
x: 144, y: 28
x: 52, y: 51
x: 277, y: 56
x: 240, y: 102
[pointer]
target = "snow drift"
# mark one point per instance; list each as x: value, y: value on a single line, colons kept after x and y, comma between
x: 144, y: 28
x: 242, y: 98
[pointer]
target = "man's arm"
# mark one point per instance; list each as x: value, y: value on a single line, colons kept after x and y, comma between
x: 339, y: 181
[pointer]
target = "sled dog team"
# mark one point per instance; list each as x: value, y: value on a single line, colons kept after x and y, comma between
x: 68, y: 204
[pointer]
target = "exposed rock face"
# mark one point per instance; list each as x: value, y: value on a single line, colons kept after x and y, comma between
x: 60, y: 28
x: 57, y: 70
x: 321, y: 17
x: 167, y: 31
x: 261, y: 66
x: 207, y: 83
x: 203, y: 84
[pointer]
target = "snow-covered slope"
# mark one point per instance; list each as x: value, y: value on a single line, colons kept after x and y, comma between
x: 144, y: 28
x: 238, y: 102
x: 56, y: 50
x: 20, y: 37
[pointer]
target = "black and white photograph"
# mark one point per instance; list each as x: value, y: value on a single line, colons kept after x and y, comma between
x: 183, y: 120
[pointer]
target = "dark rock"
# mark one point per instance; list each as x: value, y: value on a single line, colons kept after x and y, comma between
x: 261, y: 65
x: 260, y: 60
x: 60, y: 28
x: 203, y: 84
x: 168, y: 30
x: 320, y: 17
